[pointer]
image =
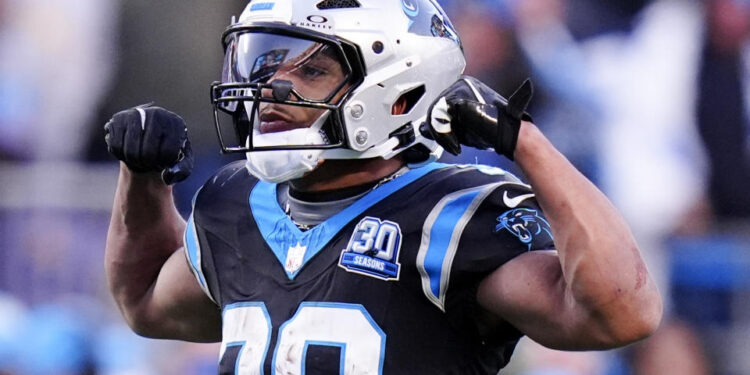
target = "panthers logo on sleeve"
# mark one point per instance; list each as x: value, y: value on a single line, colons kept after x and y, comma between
x: 524, y: 223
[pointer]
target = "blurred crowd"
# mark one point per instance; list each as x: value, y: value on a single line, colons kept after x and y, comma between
x: 648, y: 98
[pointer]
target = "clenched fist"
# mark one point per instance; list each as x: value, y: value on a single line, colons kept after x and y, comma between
x: 471, y: 113
x: 151, y: 139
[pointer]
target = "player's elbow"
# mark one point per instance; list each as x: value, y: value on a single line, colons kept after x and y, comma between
x: 639, y: 328
x: 649, y: 320
x: 635, y: 322
x: 142, y: 323
x: 139, y: 325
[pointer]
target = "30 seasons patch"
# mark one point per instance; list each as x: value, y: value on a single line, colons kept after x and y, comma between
x: 373, y: 249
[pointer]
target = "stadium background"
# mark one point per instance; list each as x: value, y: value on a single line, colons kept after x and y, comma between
x: 650, y: 99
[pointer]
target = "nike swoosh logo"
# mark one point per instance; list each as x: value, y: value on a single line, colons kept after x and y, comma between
x: 515, y: 201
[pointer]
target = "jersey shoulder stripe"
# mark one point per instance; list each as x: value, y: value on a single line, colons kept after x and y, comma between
x: 441, y: 234
x: 465, y: 235
x: 193, y: 253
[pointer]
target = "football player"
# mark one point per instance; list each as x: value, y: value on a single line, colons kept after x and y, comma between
x: 340, y: 245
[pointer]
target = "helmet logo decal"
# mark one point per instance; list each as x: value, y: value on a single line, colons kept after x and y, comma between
x: 411, y: 8
x: 424, y: 22
x: 438, y: 28
x: 315, y: 21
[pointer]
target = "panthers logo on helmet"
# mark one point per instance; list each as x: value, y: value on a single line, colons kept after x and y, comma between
x: 427, y: 18
x: 524, y: 223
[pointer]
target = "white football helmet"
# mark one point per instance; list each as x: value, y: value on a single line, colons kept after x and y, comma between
x: 309, y: 80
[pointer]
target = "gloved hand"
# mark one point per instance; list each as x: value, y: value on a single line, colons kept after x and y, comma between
x: 151, y: 139
x: 472, y: 114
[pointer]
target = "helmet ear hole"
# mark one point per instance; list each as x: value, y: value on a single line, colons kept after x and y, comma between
x: 406, y: 102
x: 399, y: 107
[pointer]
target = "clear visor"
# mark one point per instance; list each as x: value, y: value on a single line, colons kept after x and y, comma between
x: 279, y: 92
x: 316, y: 71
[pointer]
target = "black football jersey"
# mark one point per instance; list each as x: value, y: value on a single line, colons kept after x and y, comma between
x: 386, y: 286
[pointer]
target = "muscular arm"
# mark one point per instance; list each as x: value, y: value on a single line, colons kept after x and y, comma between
x: 147, y: 272
x: 594, y: 292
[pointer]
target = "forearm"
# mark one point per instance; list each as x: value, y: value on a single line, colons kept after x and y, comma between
x: 601, y: 265
x: 145, y: 229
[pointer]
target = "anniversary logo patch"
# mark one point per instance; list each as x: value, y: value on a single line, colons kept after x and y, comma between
x: 373, y: 249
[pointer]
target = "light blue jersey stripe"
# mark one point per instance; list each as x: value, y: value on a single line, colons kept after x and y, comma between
x: 193, y: 252
x: 440, y: 237
x: 441, y: 234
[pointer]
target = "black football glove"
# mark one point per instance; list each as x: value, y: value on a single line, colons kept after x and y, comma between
x: 151, y: 139
x: 472, y: 114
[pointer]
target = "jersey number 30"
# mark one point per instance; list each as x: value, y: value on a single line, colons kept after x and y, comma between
x: 349, y: 327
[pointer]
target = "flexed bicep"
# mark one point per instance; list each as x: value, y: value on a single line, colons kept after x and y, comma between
x: 530, y: 293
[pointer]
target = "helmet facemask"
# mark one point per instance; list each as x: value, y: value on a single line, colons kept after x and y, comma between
x: 282, y: 91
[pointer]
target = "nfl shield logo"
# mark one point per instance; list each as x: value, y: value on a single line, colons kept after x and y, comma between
x: 294, y: 257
